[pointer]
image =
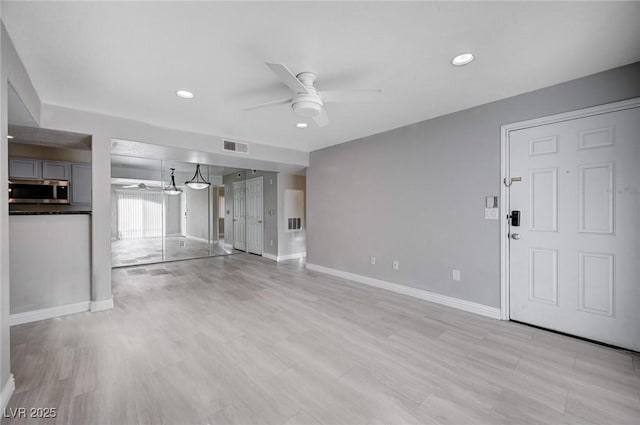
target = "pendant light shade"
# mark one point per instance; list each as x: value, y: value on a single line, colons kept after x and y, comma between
x: 172, y: 189
x: 197, y: 181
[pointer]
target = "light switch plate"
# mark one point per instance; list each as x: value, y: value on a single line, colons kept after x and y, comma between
x: 491, y: 213
x: 491, y: 202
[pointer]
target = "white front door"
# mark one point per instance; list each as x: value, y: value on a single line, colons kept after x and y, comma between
x: 255, y: 209
x: 576, y: 265
x: 239, y: 215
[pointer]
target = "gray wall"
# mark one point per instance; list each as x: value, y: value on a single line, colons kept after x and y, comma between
x: 172, y: 214
x: 416, y: 193
x: 270, y: 195
x: 11, y: 71
x: 197, y: 213
x: 290, y: 241
x: 24, y: 150
x: 50, y: 260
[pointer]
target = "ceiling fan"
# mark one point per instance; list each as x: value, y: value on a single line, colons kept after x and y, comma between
x: 139, y: 186
x: 309, y: 102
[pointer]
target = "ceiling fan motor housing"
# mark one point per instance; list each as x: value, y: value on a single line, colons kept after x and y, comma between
x: 307, y: 104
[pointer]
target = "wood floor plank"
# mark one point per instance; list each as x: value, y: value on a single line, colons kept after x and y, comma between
x: 243, y: 340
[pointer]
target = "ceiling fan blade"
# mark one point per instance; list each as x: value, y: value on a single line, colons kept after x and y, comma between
x: 266, y: 105
x: 351, y: 95
x: 287, y: 77
x: 321, y: 120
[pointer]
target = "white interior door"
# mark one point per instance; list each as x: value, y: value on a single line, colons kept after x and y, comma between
x: 239, y: 216
x: 255, y: 207
x: 576, y: 265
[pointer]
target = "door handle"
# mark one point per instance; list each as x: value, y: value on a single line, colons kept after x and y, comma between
x: 515, y: 236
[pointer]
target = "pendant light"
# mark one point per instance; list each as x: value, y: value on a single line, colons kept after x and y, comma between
x: 197, y: 181
x: 172, y: 189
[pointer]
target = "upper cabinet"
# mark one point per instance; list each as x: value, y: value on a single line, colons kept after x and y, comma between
x: 21, y: 168
x: 78, y: 175
x: 53, y: 170
x: 80, y: 184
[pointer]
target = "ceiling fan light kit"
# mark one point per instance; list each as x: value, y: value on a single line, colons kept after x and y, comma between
x: 309, y: 102
x: 197, y: 181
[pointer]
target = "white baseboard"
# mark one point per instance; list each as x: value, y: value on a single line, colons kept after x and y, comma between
x: 7, y: 391
x: 469, y: 306
x: 48, y: 313
x: 228, y: 246
x: 284, y: 257
x: 102, y: 305
x: 195, y: 238
x: 292, y: 256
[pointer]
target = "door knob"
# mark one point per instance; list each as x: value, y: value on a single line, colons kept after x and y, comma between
x: 515, y: 236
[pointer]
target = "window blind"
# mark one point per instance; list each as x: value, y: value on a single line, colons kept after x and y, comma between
x: 139, y: 214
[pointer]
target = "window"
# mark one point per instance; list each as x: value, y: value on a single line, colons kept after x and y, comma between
x: 139, y: 214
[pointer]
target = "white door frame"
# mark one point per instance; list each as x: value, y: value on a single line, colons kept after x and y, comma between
x: 504, y: 176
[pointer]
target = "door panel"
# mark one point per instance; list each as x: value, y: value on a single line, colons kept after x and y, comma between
x: 239, y: 216
x: 255, y: 208
x: 575, y: 266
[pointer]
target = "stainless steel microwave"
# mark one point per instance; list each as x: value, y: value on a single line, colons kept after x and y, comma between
x: 23, y: 191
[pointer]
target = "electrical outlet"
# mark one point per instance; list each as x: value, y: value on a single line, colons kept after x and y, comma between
x: 396, y: 265
x: 455, y: 275
x: 373, y: 260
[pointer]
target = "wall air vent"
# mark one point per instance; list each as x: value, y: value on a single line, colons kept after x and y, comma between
x: 235, y: 147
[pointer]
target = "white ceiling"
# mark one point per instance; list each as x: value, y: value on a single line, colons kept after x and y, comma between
x: 128, y: 58
x: 49, y: 138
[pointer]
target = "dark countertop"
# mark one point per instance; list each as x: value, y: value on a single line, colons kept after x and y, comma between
x: 47, y: 212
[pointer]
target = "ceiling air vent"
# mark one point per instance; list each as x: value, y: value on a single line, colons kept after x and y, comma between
x: 236, y: 147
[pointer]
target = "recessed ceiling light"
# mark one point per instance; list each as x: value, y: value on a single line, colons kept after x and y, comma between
x: 462, y: 59
x: 9, y: 136
x: 301, y: 125
x: 185, y: 94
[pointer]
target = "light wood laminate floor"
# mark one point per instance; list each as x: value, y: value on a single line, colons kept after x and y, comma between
x: 240, y: 339
x: 135, y: 252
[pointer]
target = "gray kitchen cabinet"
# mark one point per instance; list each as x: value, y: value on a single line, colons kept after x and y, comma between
x: 54, y: 170
x: 23, y: 168
x: 80, y: 184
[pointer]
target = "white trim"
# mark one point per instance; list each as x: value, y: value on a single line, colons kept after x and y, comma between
x: 102, y: 305
x: 7, y: 391
x: 504, y: 167
x: 195, y: 238
x: 292, y: 256
x: 48, y: 313
x: 285, y: 257
x: 469, y: 306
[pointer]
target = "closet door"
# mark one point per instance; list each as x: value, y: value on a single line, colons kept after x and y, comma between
x: 239, y: 216
x: 255, y: 206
